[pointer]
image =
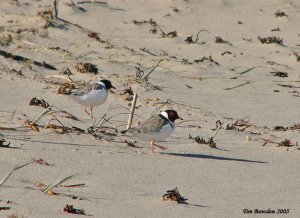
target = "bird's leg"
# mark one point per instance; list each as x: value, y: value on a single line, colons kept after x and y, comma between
x: 156, y: 145
x: 152, y: 146
x: 91, y: 114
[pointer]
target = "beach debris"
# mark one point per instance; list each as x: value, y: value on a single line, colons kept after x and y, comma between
x: 189, y: 39
x: 172, y: 34
x: 5, y: 208
x: 2, y: 145
x: 200, y: 140
x: 226, y: 53
x: 75, y: 6
x: 71, y: 209
x: 131, y: 144
x: 209, y: 58
x: 58, y: 182
x: 287, y: 143
x: 282, y: 128
x: 219, y: 40
x: 16, y: 167
x: 39, y: 102
x: 6, y: 40
x: 42, y: 162
x: 151, y: 22
x: 275, y: 30
x: 279, y: 74
x: 297, y: 56
x: 86, y: 68
x: 95, y: 35
x: 26, y: 60
x: 271, y: 40
x: 243, y: 84
x: 238, y: 123
x: 284, y: 143
x: 174, y: 195
x: 247, y: 39
x: 280, y: 13
x: 32, y: 125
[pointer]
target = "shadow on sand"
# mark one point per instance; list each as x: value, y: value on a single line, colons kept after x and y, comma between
x: 205, y: 156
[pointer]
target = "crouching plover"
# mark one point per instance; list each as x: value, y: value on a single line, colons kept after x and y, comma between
x: 156, y: 128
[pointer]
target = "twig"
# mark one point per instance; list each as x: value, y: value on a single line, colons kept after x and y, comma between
x: 152, y: 69
x: 246, y: 83
x: 131, y: 111
x: 55, y: 9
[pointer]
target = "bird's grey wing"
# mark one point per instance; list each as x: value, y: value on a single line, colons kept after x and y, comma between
x: 82, y: 90
x: 153, y: 124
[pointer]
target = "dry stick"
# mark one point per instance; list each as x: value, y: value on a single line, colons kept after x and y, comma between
x: 152, y: 69
x: 55, y: 8
x: 131, y: 111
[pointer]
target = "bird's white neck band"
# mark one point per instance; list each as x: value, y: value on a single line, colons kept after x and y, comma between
x: 164, y: 114
x: 102, y: 84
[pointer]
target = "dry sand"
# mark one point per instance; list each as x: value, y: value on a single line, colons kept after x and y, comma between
x: 123, y: 181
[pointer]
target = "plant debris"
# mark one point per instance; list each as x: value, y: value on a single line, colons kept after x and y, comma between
x: 42, y: 162
x: 5, y: 208
x: 39, y: 102
x: 279, y: 74
x: 282, y: 128
x: 70, y: 209
x: 219, y: 40
x: 287, y: 143
x: 6, y: 40
x: 2, y: 141
x: 174, y: 195
x: 209, y: 58
x: 270, y: 40
x: 172, y: 34
x: 94, y: 35
x: 189, y: 39
x: 297, y: 56
x: 200, y: 140
x: 27, y: 60
x: 280, y: 14
x: 86, y: 68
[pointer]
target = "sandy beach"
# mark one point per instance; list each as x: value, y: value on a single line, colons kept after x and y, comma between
x: 229, y: 68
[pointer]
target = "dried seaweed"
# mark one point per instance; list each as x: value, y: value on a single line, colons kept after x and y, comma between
x: 95, y: 35
x: 42, y: 162
x: 219, y: 40
x: 200, y: 140
x: 174, y: 195
x: 287, y: 143
x: 70, y: 209
x: 6, y: 40
x: 5, y: 208
x: 172, y: 34
x: 189, y: 39
x: 209, y: 58
x: 279, y: 74
x: 2, y: 145
x: 39, y: 102
x: 86, y: 68
x: 297, y: 56
x: 280, y: 14
x: 271, y: 40
x: 285, y: 128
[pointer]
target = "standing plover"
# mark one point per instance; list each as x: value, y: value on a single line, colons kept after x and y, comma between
x: 92, y: 95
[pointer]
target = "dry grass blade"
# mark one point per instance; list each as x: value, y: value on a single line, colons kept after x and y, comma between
x: 152, y: 69
x: 60, y: 181
x: 246, y: 83
x: 12, y: 170
x: 131, y: 111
